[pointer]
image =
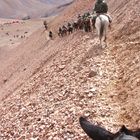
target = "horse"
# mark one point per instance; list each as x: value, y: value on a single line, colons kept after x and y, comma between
x: 96, y: 132
x: 135, y: 133
x: 102, y: 24
x: 123, y: 136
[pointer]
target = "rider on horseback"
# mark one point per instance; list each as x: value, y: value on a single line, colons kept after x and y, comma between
x: 101, y: 7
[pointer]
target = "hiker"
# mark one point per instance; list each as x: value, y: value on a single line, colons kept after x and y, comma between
x: 50, y: 34
x: 100, y: 7
x: 45, y: 24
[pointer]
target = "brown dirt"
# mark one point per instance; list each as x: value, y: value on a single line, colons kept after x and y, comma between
x: 56, y: 81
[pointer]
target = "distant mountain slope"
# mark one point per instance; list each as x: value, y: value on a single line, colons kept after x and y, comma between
x: 24, y: 8
x: 56, y: 2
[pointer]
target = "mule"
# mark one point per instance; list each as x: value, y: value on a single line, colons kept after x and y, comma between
x: 102, y: 24
x: 96, y: 132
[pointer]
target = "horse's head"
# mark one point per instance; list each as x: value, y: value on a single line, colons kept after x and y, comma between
x: 95, y: 132
x: 123, y: 136
x: 135, y: 133
x: 98, y: 133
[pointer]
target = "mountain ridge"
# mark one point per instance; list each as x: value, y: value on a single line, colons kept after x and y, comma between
x: 33, y: 8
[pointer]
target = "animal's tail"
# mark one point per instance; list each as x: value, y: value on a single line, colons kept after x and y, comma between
x: 101, y: 28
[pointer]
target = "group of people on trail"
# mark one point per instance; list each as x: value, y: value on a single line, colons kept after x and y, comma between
x: 81, y: 23
x: 84, y: 21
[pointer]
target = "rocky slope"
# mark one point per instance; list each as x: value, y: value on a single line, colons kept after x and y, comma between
x: 74, y: 77
x: 126, y: 49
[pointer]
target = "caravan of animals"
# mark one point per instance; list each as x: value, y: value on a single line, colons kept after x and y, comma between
x: 88, y: 21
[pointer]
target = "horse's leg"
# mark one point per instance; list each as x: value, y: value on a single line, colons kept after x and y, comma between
x: 105, y: 35
x: 101, y: 42
x: 100, y: 38
x: 72, y: 31
x: 99, y: 34
x: 105, y: 41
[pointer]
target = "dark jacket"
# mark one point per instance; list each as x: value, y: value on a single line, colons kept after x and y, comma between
x: 101, y: 7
